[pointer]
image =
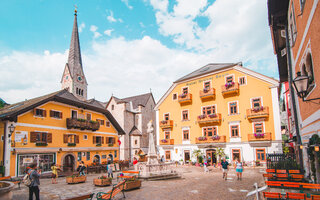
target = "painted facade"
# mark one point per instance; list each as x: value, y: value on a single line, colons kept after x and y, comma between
x: 212, y: 114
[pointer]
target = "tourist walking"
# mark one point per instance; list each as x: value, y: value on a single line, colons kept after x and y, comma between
x: 239, y: 169
x: 110, y: 171
x: 205, y: 163
x: 54, y: 174
x: 225, y: 167
x: 81, y: 168
x: 35, y: 182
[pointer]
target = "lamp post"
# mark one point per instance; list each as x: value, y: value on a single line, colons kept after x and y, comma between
x: 301, y: 85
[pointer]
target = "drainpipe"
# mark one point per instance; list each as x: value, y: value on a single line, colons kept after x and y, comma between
x: 4, y: 146
x: 293, y: 100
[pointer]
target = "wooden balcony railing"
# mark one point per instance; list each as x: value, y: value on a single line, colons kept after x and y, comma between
x: 82, y: 124
x: 230, y: 89
x: 166, y: 142
x: 205, y: 94
x: 185, y: 98
x: 259, y: 137
x: 166, y: 124
x: 208, y: 119
x: 211, y: 139
x: 262, y: 112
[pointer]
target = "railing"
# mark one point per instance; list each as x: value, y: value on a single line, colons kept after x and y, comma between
x: 259, y: 136
x: 166, y: 124
x: 211, y: 139
x: 282, y: 161
x: 185, y: 98
x: 207, y: 119
x: 262, y: 112
x: 166, y: 142
x: 210, y: 93
x: 82, y: 124
x: 230, y: 88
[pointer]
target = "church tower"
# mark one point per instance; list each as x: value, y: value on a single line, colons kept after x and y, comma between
x: 73, y: 77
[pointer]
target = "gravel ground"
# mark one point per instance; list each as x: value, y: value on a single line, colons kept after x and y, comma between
x: 194, y: 185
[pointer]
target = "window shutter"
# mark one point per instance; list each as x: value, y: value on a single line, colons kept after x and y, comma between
x: 33, y: 137
x: 60, y: 115
x: 34, y: 111
x: 51, y: 113
x: 44, y: 113
x: 107, y: 140
x: 49, y: 137
x: 112, y: 140
x: 94, y: 140
x: 65, y: 138
x: 77, y: 139
x: 102, y: 140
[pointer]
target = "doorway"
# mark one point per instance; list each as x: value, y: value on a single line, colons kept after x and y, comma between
x: 68, y: 163
x: 186, y: 156
x: 236, y: 155
x: 211, y: 157
x: 96, y: 159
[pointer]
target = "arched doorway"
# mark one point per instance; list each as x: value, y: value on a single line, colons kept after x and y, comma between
x: 211, y: 156
x: 110, y: 157
x: 68, y: 163
x: 96, y: 159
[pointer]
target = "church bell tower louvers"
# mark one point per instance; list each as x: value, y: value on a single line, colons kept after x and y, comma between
x: 73, y: 77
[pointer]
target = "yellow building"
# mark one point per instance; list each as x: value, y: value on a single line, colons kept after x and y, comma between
x: 57, y: 128
x: 222, y: 106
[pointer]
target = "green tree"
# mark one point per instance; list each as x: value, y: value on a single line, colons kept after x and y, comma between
x: 220, y: 153
x: 198, y: 154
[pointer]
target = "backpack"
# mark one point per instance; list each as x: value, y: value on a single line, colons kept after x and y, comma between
x: 27, y: 180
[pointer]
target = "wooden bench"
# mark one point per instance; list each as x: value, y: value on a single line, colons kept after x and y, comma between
x: 290, y: 195
x: 281, y: 171
x: 272, y: 195
x: 116, y: 188
x: 270, y: 170
x: 310, y: 186
x: 13, y: 180
x: 282, y: 177
x: 127, y: 176
x: 269, y: 176
x: 297, y: 177
x: 315, y: 197
x: 83, y: 197
x: 294, y: 171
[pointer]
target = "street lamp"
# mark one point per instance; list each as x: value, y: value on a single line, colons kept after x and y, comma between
x: 301, y: 85
x: 11, y: 129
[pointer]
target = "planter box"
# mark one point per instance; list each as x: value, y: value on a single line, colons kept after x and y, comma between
x: 76, y: 179
x: 130, y: 185
x: 102, y: 182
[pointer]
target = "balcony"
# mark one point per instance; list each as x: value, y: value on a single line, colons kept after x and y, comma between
x: 185, y: 98
x: 82, y: 124
x: 262, y: 112
x: 211, y: 139
x: 166, y: 124
x: 207, y: 94
x: 230, y: 89
x: 259, y: 137
x: 209, y: 119
x: 166, y: 142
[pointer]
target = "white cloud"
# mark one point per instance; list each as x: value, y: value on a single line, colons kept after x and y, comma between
x: 110, y: 17
x: 81, y: 27
x: 108, y: 32
x: 142, y: 25
x: 94, y: 29
x: 161, y: 5
x: 127, y: 4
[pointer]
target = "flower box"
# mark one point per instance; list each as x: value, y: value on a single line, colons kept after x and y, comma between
x: 110, y: 145
x: 216, y: 137
x: 183, y: 95
x: 102, y: 181
x: 164, y: 141
x: 202, y: 117
x: 76, y: 179
x: 212, y: 115
x: 202, y: 138
x: 71, y: 144
x: 98, y: 145
x: 227, y: 85
x: 205, y: 90
x: 164, y: 122
x: 41, y: 144
x: 130, y: 185
x: 258, y: 135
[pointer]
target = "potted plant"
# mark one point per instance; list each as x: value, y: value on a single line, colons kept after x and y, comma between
x: 258, y: 135
x: 183, y: 95
x: 216, y: 137
x: 200, y: 117
x: 257, y: 162
x: 163, y: 122
x: 164, y: 141
x: 203, y: 138
x: 102, y: 181
x: 132, y: 183
x: 76, y: 179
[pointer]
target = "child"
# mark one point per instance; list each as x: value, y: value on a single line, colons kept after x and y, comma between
x: 54, y: 175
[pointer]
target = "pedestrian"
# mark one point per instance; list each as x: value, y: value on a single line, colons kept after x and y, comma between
x: 135, y: 161
x: 110, y: 171
x: 225, y: 167
x: 205, y: 163
x: 81, y: 168
x: 239, y: 169
x: 54, y: 174
x: 35, y: 182
x: 162, y: 159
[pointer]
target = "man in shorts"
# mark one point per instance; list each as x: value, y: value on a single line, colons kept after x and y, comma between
x: 225, y: 167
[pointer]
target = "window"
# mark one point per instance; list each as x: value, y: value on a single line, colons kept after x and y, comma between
x: 111, y: 140
x: 302, y: 2
x: 242, y: 81
x: 167, y: 135
x: 88, y: 155
x: 55, y: 114
x: 256, y: 103
x: 233, y: 108
x: 166, y: 116
x: 40, y: 112
x: 209, y: 131
x: 97, y: 140
x: 185, y: 115
x: 88, y: 116
x: 292, y: 25
x: 185, y: 90
x: 258, y: 127
x: 186, y: 135
x: 115, y: 153
x: 112, y: 107
x: 235, y: 131
x: 307, y: 70
x: 207, y: 85
x: 2, y: 137
x: 74, y: 114
x: 229, y: 79
x: 135, y: 142
x: 236, y: 154
x: 71, y: 139
x: 42, y: 137
x: 101, y: 122
x: 208, y: 110
x: 107, y: 123
x: 174, y: 96
x: 85, y: 137
x: 168, y: 155
x: 261, y: 154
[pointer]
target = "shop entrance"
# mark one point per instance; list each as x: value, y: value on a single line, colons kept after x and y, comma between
x: 186, y: 156
x: 68, y: 163
x: 211, y: 157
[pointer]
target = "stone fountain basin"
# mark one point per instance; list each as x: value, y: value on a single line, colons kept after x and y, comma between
x: 5, y: 190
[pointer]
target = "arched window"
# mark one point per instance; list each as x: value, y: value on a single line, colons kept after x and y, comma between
x: 309, y: 68
x: 81, y: 92
x: 77, y: 92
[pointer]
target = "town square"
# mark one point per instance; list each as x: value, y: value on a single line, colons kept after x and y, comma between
x: 159, y: 99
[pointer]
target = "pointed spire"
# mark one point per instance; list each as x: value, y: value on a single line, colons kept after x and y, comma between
x: 74, y: 59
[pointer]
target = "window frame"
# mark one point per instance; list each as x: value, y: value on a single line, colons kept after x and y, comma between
x: 235, y: 127
x: 245, y: 80
x: 232, y: 108
x: 255, y: 128
x: 182, y: 115
x: 72, y: 115
x: 228, y: 76
x: 164, y: 116
x: 185, y: 131
x: 183, y: 89
x: 101, y: 121
x: 85, y: 137
x: 204, y: 109
x: 254, y: 98
x: 38, y: 109
x: 166, y: 155
x: 174, y: 95
x: 89, y: 114
x: 204, y: 84
x: 55, y: 112
x: 264, y: 153
x: 214, y: 131
x: 108, y: 123
x: 292, y: 24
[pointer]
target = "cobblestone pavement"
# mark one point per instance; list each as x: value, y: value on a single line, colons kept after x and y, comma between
x: 194, y: 185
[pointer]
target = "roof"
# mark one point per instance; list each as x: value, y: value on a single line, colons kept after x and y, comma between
x: 207, y: 69
x: 138, y: 100
x: 11, y: 112
x: 135, y: 131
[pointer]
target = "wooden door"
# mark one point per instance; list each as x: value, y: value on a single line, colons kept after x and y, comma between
x: 186, y: 156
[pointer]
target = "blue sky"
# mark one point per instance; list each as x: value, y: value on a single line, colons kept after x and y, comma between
x: 128, y: 46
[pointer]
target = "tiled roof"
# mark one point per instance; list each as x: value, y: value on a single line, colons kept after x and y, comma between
x: 137, y: 100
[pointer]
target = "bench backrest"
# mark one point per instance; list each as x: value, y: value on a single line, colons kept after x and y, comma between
x: 87, y: 196
x: 315, y: 197
x: 294, y: 171
x: 130, y: 172
x: 310, y: 186
x: 281, y: 171
x: 5, y: 178
x: 273, y: 195
x: 270, y: 170
x: 290, y: 195
x: 268, y: 175
x: 297, y: 176
x: 273, y: 183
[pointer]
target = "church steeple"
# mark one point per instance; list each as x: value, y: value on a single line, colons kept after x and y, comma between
x: 73, y: 77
